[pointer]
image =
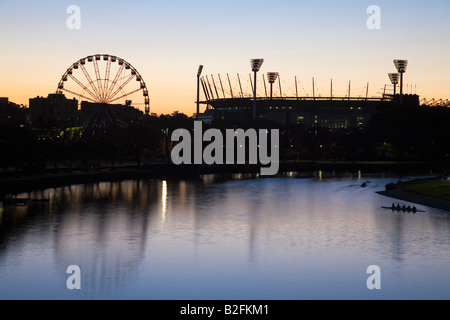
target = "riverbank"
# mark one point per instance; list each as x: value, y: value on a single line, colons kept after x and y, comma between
x: 53, y: 179
x: 56, y: 178
x: 428, y: 192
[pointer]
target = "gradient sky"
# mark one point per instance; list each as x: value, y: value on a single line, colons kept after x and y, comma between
x: 167, y: 40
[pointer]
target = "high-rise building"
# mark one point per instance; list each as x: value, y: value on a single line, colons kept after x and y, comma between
x: 54, y: 111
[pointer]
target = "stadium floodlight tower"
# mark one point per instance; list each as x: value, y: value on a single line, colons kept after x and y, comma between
x: 394, y: 80
x: 272, y: 76
x: 200, y: 68
x: 401, y: 68
x: 256, y: 65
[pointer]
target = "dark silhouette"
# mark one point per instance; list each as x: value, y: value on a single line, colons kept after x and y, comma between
x: 405, y: 136
x: 398, y: 208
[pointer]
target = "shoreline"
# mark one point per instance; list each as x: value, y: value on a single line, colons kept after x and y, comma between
x: 64, y: 177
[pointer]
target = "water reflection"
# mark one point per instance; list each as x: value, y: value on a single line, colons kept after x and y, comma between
x: 100, y: 227
x: 164, y: 202
x: 256, y: 238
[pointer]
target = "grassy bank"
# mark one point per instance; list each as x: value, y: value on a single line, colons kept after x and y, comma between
x: 433, y: 188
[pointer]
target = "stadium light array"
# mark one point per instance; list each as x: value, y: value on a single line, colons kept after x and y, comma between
x: 256, y: 65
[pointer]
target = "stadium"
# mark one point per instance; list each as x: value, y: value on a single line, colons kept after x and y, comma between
x: 222, y: 101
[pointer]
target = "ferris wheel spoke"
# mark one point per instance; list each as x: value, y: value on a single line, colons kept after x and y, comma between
x: 89, y: 79
x: 121, y: 87
x: 116, y: 78
x: 78, y: 95
x: 97, y: 76
x: 106, y: 81
x: 83, y: 86
x: 125, y: 94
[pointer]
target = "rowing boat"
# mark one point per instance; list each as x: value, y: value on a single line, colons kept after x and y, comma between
x: 413, y: 210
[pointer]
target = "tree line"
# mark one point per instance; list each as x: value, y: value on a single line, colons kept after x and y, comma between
x: 418, y: 134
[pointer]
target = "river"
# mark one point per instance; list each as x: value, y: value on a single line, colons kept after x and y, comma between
x: 237, y: 237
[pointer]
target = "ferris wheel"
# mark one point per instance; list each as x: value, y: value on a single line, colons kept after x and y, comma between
x: 102, y: 78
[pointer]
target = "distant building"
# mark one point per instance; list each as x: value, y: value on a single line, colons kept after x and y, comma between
x: 4, y: 114
x: 12, y: 114
x: 206, y: 117
x: 3, y: 102
x: 105, y: 114
x: 54, y: 111
x: 332, y: 113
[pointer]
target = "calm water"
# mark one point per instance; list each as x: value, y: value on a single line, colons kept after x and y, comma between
x: 277, y: 238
